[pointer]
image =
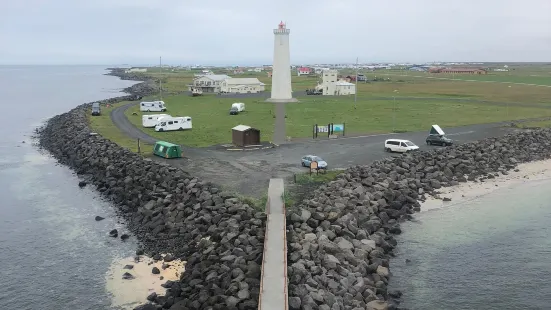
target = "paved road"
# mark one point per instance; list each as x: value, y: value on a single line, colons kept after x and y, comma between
x: 249, y: 172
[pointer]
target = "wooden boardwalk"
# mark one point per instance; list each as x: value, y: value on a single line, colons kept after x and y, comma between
x: 273, y: 285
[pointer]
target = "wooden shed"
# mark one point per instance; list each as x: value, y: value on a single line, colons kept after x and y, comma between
x: 243, y: 135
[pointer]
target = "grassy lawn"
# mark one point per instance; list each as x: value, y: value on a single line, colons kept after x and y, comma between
x: 541, y: 124
x: 408, y: 84
x: 212, y: 123
x: 102, y: 125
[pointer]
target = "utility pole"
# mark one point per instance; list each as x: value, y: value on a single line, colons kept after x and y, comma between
x: 160, y: 79
x: 394, y: 112
x: 394, y: 115
x: 356, y: 86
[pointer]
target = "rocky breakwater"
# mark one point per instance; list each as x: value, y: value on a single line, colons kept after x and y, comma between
x: 219, y: 236
x: 340, y: 241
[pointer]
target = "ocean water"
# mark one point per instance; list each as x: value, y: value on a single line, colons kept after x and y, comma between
x: 490, y: 253
x: 54, y: 255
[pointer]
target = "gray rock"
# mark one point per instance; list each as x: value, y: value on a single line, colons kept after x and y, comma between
x: 294, y: 303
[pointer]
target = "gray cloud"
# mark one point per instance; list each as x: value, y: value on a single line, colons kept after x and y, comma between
x: 240, y: 32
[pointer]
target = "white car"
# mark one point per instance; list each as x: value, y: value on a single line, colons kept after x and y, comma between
x: 402, y: 146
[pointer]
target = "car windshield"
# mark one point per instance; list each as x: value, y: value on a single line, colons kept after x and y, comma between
x: 315, y: 158
x: 163, y: 123
x: 409, y: 143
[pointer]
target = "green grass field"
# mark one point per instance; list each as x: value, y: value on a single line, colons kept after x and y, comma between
x: 212, y: 123
x: 541, y: 124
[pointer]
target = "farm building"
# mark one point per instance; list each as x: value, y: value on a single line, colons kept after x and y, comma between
x: 243, y: 135
x: 304, y: 71
x: 458, y: 70
x: 242, y: 86
x: 209, y: 83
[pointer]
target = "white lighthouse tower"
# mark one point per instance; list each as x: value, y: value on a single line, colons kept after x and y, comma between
x: 281, y: 71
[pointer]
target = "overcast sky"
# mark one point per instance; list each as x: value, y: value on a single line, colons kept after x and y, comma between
x: 240, y: 32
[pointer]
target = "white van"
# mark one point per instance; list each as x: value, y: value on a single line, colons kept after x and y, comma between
x: 152, y: 119
x: 173, y: 123
x: 402, y: 146
x: 237, y: 107
x: 152, y: 106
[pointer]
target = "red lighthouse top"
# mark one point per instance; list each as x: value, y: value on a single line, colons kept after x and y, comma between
x: 281, y: 25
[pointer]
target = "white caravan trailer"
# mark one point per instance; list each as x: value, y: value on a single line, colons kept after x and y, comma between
x: 151, y: 120
x: 240, y: 106
x: 173, y: 123
x: 152, y: 106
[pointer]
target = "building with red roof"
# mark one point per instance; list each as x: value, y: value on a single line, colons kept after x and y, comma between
x: 304, y: 71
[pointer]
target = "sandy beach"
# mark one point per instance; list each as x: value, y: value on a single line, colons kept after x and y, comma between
x: 127, y: 294
x: 538, y: 170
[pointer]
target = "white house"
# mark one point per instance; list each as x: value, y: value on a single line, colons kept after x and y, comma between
x: 258, y: 70
x: 345, y: 88
x: 332, y: 86
x: 209, y: 83
x: 242, y: 85
x: 134, y: 70
x: 304, y: 71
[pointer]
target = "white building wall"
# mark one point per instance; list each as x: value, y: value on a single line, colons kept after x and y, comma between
x: 329, y: 82
x: 346, y: 89
x: 281, y: 73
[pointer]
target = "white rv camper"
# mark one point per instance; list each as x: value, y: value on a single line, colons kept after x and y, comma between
x: 240, y: 106
x: 237, y: 108
x: 173, y: 123
x: 152, y: 106
x: 151, y: 120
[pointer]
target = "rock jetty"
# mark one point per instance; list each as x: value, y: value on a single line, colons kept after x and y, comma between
x: 147, y: 86
x: 219, y: 236
x: 340, y: 241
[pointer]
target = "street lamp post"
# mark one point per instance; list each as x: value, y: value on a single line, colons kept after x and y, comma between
x: 508, y: 106
x: 356, y: 86
x: 394, y: 112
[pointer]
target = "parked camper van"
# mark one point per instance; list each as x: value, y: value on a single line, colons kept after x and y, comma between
x: 173, y: 123
x: 152, y: 106
x: 151, y: 120
x: 402, y: 146
x: 236, y: 108
x: 438, y: 136
x: 96, y: 109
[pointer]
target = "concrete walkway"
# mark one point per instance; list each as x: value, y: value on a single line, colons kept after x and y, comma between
x: 273, y: 285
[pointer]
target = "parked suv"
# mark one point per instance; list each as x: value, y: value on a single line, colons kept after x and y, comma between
x: 439, y: 140
x: 402, y: 146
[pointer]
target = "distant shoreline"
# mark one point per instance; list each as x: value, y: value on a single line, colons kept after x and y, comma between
x: 146, y: 86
